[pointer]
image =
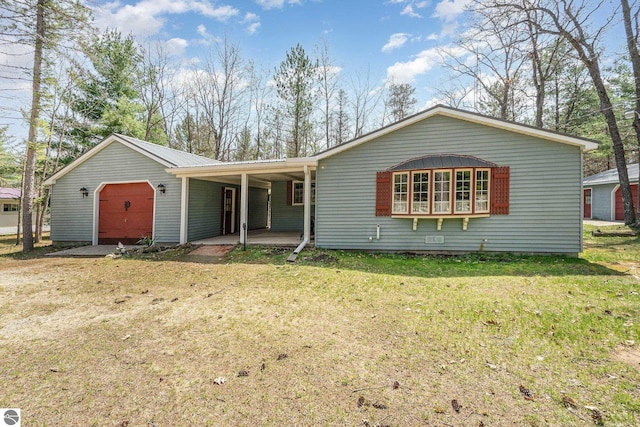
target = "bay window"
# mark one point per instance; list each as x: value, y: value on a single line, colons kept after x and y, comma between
x: 438, y: 192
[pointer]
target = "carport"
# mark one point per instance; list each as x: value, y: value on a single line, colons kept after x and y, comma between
x: 260, y: 174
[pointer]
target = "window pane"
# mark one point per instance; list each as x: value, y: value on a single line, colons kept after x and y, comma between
x: 420, y: 200
x: 298, y: 193
x: 441, y: 193
x: 401, y: 193
x: 482, y: 191
x: 10, y: 207
x: 463, y: 191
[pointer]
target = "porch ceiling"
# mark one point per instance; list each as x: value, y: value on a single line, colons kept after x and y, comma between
x: 261, y: 180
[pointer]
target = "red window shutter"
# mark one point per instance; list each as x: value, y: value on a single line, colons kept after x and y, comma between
x: 383, y: 193
x: 500, y: 190
x: 289, y: 193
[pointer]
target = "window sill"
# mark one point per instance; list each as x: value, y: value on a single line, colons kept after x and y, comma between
x: 440, y: 219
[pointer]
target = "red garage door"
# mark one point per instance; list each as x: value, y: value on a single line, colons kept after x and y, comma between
x: 619, y: 207
x: 126, y: 213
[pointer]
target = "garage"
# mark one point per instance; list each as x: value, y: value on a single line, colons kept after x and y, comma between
x: 125, y: 213
x: 618, y: 201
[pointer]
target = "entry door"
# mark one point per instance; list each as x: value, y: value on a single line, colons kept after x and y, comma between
x: 587, y: 203
x: 228, y: 210
x: 126, y: 213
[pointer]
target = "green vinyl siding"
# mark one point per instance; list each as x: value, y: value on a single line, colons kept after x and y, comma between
x: 545, y: 192
x: 258, y: 208
x: 72, y: 215
x: 283, y: 217
x: 205, y: 207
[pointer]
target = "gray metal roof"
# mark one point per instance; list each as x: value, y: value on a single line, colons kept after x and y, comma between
x: 176, y: 158
x: 611, y: 176
x: 442, y: 161
x: 10, y: 193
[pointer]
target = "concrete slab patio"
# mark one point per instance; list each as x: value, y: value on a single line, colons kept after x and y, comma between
x: 257, y: 237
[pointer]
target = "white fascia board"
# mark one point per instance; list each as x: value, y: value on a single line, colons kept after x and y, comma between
x: 584, y: 144
x: 222, y: 169
x: 95, y: 150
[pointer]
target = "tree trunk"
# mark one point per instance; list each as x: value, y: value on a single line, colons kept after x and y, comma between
x: 31, y: 152
x: 634, y: 55
x: 618, y: 148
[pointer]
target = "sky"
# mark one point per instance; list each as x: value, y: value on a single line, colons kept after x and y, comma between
x: 383, y: 39
x: 387, y: 40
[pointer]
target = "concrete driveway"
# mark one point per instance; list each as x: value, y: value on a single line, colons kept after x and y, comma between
x: 600, y: 223
x: 5, y: 231
x: 90, y: 251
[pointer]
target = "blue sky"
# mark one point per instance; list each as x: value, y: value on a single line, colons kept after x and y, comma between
x: 388, y: 38
x: 377, y: 39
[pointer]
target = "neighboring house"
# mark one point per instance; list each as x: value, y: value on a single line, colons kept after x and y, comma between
x: 603, y: 196
x: 9, y: 206
x: 443, y: 180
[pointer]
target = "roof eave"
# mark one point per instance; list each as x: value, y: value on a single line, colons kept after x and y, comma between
x: 284, y: 165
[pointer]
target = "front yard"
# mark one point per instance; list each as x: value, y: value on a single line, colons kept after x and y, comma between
x: 339, y: 338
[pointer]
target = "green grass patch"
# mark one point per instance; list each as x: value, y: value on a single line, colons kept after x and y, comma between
x: 338, y: 338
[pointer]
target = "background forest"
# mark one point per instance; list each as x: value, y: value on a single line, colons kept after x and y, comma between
x: 542, y: 63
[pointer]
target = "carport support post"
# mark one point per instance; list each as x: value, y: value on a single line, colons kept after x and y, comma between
x: 307, y: 203
x: 184, y: 210
x: 244, y: 206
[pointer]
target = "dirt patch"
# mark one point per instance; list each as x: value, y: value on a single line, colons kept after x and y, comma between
x: 628, y: 355
x: 210, y: 250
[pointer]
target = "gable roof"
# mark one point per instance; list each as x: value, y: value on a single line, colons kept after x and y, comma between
x: 442, y: 110
x: 166, y: 156
x: 10, y: 193
x: 611, y: 176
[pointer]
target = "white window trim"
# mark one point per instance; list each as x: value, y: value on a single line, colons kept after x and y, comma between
x: 455, y: 191
x: 474, y: 194
x: 433, y: 195
x: 393, y: 192
x: 293, y: 193
x: 429, y: 188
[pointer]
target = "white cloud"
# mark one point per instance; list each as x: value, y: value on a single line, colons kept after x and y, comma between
x: 147, y: 17
x: 396, y: 41
x: 176, y: 46
x: 253, y: 22
x: 449, y: 10
x: 252, y: 28
x: 275, y: 4
x: 406, y: 72
x: 408, y: 10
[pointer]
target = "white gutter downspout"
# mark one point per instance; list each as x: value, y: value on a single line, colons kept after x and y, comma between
x: 307, y: 215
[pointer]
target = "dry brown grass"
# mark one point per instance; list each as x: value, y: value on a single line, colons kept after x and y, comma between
x: 145, y: 342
